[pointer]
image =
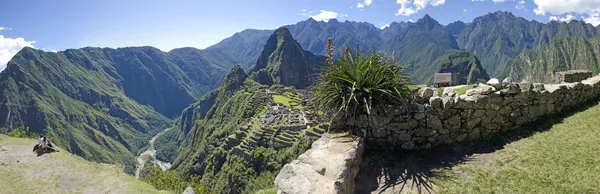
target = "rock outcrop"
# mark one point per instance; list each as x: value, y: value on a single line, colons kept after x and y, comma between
x: 329, y: 167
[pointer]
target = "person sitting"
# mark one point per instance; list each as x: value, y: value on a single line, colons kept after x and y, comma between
x: 42, y: 143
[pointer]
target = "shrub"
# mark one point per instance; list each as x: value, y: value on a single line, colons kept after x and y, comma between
x: 360, y: 86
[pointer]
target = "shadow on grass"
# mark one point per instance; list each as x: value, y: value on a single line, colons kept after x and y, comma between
x: 411, y: 171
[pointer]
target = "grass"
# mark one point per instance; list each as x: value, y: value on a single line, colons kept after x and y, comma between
x: 550, y: 156
x: 291, y: 102
x: 282, y: 99
x: 59, y: 172
x: 462, y: 90
x: 563, y: 159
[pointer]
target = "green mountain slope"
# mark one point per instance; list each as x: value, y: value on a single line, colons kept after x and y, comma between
x: 571, y: 53
x: 242, y: 48
x: 497, y: 38
x: 102, y: 104
x: 465, y: 68
x: 286, y: 61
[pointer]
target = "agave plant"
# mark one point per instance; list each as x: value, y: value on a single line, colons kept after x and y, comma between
x: 356, y: 87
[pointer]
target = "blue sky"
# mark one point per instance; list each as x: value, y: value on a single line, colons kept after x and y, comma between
x: 59, y: 25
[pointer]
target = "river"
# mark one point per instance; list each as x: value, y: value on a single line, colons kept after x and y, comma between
x: 149, y: 156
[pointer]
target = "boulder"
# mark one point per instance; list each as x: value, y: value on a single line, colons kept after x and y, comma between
x: 538, y: 87
x: 425, y: 92
x: 449, y: 91
x: 329, y: 166
x: 481, y: 89
x: 447, y: 102
x: 507, y: 81
x: 525, y: 86
x: 436, y: 102
x: 434, y: 123
x: 510, y: 89
x: 495, y: 83
x: 188, y: 190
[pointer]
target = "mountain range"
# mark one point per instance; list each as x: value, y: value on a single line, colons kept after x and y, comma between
x: 237, y: 111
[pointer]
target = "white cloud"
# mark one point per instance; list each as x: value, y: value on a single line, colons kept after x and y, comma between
x: 304, y: 13
x: 409, y: 7
x: 589, y: 8
x: 498, y: 1
x: 10, y: 47
x: 593, y: 18
x: 567, y: 18
x: 558, y: 7
x: 465, y: 10
x: 364, y: 4
x: 520, y: 5
x: 325, y: 15
x: 5, y: 28
x: 384, y: 26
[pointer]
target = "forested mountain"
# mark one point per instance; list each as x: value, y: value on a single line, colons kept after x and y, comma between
x: 465, y: 68
x: 103, y: 104
x: 242, y: 48
x: 495, y: 38
x: 570, y: 53
x: 286, y: 62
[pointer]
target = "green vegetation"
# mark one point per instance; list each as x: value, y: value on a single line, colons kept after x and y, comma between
x: 283, y: 61
x: 282, y: 99
x: 21, y: 132
x: 357, y: 86
x: 223, y: 142
x: 462, y: 90
x: 560, y: 160
x: 102, y: 104
x: 465, y: 68
x: 59, y: 172
x: 563, y: 54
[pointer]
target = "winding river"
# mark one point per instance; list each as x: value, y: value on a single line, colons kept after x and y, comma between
x: 149, y: 156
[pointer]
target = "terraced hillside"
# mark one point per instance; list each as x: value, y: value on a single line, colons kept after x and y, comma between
x: 237, y: 138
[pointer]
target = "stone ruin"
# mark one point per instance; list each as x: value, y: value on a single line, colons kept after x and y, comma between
x: 485, y: 109
x: 572, y: 76
x: 330, y: 166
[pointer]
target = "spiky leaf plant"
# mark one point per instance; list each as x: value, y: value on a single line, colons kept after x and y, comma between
x: 357, y: 86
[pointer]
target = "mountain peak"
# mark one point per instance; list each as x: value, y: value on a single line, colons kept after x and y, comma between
x: 427, y: 20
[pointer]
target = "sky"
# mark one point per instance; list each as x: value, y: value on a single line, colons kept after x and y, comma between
x: 167, y: 24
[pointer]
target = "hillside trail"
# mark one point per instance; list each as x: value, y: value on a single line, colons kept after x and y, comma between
x: 23, y: 171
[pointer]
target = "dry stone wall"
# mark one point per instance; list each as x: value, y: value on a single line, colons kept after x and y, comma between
x: 482, y: 111
x: 572, y: 76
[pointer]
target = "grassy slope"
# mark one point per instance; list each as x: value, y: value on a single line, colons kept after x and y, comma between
x: 561, y: 160
x: 551, y: 156
x: 59, y: 172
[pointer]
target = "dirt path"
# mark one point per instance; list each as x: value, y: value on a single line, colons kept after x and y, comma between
x: 23, y: 171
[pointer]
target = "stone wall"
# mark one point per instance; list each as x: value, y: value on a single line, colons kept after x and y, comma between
x: 484, y: 109
x: 572, y: 76
x: 328, y: 167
